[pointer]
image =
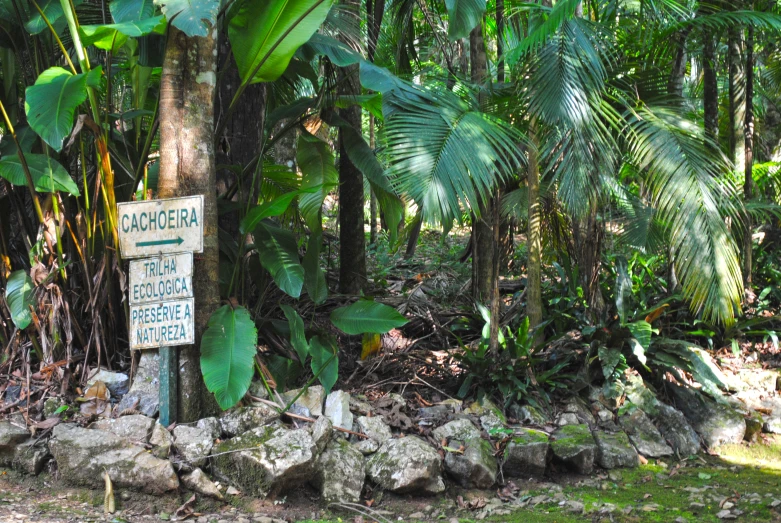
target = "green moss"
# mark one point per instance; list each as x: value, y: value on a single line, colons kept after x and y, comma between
x: 525, y: 436
x: 570, y: 439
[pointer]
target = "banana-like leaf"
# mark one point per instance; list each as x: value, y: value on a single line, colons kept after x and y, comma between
x: 113, y: 36
x: 50, y: 104
x: 316, y: 161
x: 26, y: 137
x: 264, y: 35
x: 275, y: 207
x: 53, y: 11
x: 278, y: 253
x: 192, y: 17
x: 19, y: 297
x: 297, y: 334
x: 228, y: 349
x: 48, y: 175
x: 463, y: 16
x: 131, y: 10
x: 314, y: 277
x: 325, y: 361
x: 367, y: 316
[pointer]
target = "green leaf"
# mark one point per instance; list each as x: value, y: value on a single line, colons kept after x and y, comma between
x: 278, y: 253
x: 264, y: 35
x: 192, y: 17
x: 228, y: 354
x: 131, y: 10
x: 463, y: 16
x: 19, y: 297
x: 284, y: 371
x: 623, y: 288
x: 609, y: 358
x: 26, y: 137
x: 314, y: 277
x: 270, y: 209
x: 50, y: 104
x: 297, y: 335
x: 47, y: 174
x: 325, y: 361
x: 319, y: 175
x: 367, y: 316
x: 112, y: 36
x: 53, y: 11
x: 641, y: 331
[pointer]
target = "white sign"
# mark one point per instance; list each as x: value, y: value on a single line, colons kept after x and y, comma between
x: 167, y: 277
x: 153, y: 227
x: 162, y: 324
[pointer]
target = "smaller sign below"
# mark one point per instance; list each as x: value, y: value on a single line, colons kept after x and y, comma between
x: 162, y: 324
x: 167, y: 277
x: 154, y: 227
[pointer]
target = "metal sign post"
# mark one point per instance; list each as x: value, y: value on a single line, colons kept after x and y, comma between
x: 162, y: 235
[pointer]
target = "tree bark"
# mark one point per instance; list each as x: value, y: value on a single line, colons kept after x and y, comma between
x: 737, y: 99
x: 675, y: 83
x: 187, y: 87
x: 710, y: 87
x: 534, y: 306
x: 748, y: 130
x: 500, y: 41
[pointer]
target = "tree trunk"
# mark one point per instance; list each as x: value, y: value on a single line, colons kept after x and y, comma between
x: 588, y: 235
x: 534, y: 307
x: 737, y: 99
x: 748, y: 130
x: 675, y: 83
x: 710, y: 87
x: 187, y: 87
x: 373, y: 201
x: 352, y: 243
x: 500, y: 41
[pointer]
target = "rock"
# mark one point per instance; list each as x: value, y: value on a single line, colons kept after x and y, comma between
x: 417, y: 515
x: 322, y: 429
x: 716, y: 423
x: 360, y: 406
x: 83, y: 454
x: 567, y: 418
x: 526, y: 454
x: 374, y: 427
x: 754, y: 424
x: 50, y: 407
x: 212, y: 425
x: 676, y: 430
x: 491, y: 422
x: 483, y: 407
x: 435, y: 414
x: 10, y: 436
x: 258, y: 390
x: 144, y: 393
x: 340, y: 472
x: 243, y: 419
x: 772, y: 425
x: 199, y: 482
x: 118, y: 383
x: 614, y: 450
x: 578, y: 407
x: 266, y: 459
x: 337, y: 408
x: 162, y: 441
x: 135, y: 428
x: 232, y: 491
x: 193, y: 444
x: 407, y: 465
x: 366, y: 446
x: 30, y: 458
x: 644, y: 435
x: 461, y: 429
x: 575, y: 447
x: 476, y: 467
x: 312, y: 399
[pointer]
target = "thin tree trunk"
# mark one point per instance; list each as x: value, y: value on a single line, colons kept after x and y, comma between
x: 373, y: 201
x: 675, y: 82
x: 187, y: 87
x: 748, y: 130
x: 710, y: 87
x: 352, y: 243
x: 737, y: 99
x: 534, y: 307
x: 500, y: 41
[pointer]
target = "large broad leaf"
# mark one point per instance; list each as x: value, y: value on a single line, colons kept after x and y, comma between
x: 50, y: 104
x: 316, y: 162
x: 112, y: 36
x: 463, y: 16
x: 47, y: 174
x: 26, y: 137
x: 192, y: 17
x: 228, y: 353
x: 314, y: 277
x: 367, y: 316
x: 270, y: 209
x: 53, y: 11
x: 278, y: 253
x: 19, y: 297
x: 131, y: 10
x: 623, y: 289
x: 325, y: 361
x: 297, y: 334
x: 264, y: 35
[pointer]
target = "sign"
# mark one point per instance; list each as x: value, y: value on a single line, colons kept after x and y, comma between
x: 165, y: 323
x: 167, y: 277
x: 154, y: 227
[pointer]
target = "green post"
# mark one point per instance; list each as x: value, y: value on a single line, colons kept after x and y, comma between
x: 169, y: 362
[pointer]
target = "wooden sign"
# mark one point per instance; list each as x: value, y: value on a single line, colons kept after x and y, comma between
x: 159, y: 324
x: 166, y: 277
x: 154, y: 227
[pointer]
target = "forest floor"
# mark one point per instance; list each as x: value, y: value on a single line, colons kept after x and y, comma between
x: 742, y: 482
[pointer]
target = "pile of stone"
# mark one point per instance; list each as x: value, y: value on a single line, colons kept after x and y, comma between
x: 251, y: 450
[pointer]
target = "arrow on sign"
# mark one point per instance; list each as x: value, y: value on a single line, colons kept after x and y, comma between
x: 177, y: 241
